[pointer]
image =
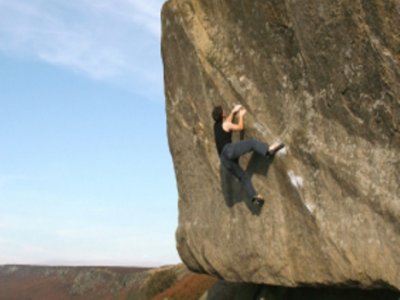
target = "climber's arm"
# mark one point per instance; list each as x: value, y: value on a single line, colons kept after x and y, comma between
x: 229, y: 118
x: 230, y: 126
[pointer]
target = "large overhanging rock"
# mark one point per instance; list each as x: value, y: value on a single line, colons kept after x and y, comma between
x: 322, y: 76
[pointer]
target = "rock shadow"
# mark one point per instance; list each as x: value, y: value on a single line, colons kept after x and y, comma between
x: 233, y: 189
x: 223, y: 290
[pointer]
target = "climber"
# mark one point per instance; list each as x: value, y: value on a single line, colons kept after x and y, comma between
x: 229, y: 152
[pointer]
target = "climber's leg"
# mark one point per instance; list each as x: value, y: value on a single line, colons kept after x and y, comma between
x: 234, y: 168
x: 237, y: 149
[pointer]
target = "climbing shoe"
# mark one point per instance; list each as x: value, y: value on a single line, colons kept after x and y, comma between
x: 276, y: 149
x: 258, y: 201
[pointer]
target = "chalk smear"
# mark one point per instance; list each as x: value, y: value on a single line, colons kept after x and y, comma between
x: 297, y: 181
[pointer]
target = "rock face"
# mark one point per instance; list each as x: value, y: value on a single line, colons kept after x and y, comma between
x: 322, y: 76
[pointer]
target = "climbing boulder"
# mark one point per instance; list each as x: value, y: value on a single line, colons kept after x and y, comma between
x: 321, y: 76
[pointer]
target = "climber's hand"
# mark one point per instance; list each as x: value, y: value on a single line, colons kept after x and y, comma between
x: 242, y: 112
x: 236, y: 108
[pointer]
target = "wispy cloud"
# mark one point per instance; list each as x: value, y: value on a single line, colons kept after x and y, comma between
x: 144, y: 13
x: 51, y: 242
x: 112, y: 40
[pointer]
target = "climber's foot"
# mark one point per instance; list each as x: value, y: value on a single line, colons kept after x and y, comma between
x: 258, y: 201
x: 275, y: 148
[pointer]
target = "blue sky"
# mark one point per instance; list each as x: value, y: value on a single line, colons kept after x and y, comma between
x: 85, y: 172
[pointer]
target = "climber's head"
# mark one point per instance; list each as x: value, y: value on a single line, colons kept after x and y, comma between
x: 218, y: 113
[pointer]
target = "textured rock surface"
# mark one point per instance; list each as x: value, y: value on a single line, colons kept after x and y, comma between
x: 323, y: 76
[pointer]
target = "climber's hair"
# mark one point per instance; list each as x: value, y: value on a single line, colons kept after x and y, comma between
x: 217, y: 113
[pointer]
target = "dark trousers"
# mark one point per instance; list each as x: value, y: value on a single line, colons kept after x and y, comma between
x: 230, y: 160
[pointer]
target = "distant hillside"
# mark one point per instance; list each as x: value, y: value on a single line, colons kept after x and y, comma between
x: 61, y: 283
x: 169, y: 282
x: 100, y: 283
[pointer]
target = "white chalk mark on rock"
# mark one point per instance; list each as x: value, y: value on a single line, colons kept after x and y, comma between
x: 310, y: 207
x: 297, y: 181
x: 260, y: 129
